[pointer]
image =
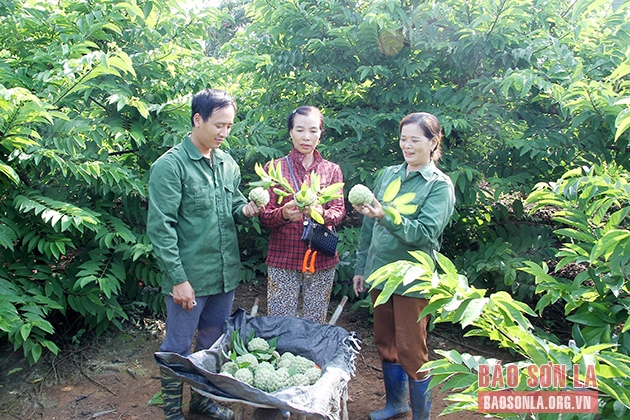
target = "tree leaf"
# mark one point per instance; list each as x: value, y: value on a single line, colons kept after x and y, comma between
x: 392, y: 190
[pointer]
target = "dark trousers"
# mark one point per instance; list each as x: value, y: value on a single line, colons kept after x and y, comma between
x: 398, y: 335
x: 206, y: 319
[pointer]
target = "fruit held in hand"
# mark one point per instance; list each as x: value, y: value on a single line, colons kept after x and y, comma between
x: 305, y: 197
x: 360, y: 194
x: 260, y: 196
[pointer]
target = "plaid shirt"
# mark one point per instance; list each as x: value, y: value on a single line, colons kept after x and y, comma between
x: 286, y: 250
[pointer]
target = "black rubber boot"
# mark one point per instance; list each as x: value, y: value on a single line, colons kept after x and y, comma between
x: 172, y: 389
x: 396, y: 391
x: 204, y: 405
x: 420, y: 398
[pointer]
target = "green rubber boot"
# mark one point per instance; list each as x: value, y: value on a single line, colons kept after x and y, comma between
x: 204, y: 405
x: 172, y: 389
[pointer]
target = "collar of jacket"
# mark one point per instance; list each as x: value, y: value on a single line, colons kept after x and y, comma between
x: 195, y: 154
x: 426, y: 171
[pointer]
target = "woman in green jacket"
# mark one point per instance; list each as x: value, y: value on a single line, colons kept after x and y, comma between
x: 401, y: 340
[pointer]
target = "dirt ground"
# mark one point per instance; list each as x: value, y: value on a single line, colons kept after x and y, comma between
x: 115, y: 377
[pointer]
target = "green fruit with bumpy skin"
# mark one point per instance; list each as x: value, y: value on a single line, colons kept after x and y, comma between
x: 305, y: 198
x: 260, y: 196
x: 302, y: 364
x: 313, y: 374
x: 244, y: 375
x: 360, y: 194
x: 278, y: 380
x: 229, y: 367
x: 247, y: 358
x: 262, y: 373
x: 258, y: 344
x: 299, y: 379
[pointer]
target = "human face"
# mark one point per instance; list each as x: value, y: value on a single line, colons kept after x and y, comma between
x: 208, y: 135
x: 416, y: 147
x: 306, y: 133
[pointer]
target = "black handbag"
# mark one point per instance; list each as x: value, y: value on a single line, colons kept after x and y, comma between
x: 320, y: 238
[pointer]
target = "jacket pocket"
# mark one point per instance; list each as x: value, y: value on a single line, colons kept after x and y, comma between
x: 199, y: 198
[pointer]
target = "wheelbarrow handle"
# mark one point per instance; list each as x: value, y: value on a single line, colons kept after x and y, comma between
x: 337, y: 313
x: 254, y: 311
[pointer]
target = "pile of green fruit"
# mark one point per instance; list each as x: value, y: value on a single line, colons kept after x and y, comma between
x: 259, y: 364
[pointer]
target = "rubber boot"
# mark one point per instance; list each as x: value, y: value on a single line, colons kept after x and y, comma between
x: 204, y: 405
x: 172, y: 389
x: 420, y: 398
x: 396, y: 391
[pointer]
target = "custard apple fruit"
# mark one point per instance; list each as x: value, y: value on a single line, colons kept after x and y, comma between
x: 262, y: 373
x: 260, y: 196
x: 313, y: 374
x: 285, y: 363
x: 229, y: 367
x: 286, y: 359
x: 299, y: 379
x: 245, y: 375
x: 263, y: 366
x: 302, y: 364
x: 278, y: 380
x: 258, y: 343
x: 360, y: 194
x: 305, y: 198
x: 247, y: 358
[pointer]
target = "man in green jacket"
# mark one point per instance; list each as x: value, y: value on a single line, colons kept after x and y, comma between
x: 194, y: 204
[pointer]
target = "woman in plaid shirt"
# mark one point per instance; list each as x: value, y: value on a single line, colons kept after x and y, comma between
x: 286, y: 251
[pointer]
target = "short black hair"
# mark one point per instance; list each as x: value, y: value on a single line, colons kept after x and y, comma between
x: 207, y: 101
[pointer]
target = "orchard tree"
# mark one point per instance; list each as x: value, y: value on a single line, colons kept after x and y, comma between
x: 524, y: 91
x: 90, y: 94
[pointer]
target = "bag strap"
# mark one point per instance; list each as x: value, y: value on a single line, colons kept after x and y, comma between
x: 291, y: 170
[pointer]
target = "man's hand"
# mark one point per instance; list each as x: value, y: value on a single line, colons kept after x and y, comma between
x: 358, y: 284
x: 251, y: 209
x: 183, y: 294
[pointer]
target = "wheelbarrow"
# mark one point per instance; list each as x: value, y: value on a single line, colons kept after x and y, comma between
x: 330, y: 346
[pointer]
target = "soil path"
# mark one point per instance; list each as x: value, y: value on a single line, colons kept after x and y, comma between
x: 115, y: 377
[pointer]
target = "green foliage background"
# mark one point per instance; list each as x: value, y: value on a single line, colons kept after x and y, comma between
x: 533, y: 98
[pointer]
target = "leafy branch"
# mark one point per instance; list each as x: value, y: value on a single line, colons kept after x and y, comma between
x: 305, y: 197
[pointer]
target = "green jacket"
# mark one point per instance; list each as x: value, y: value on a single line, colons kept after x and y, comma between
x: 193, y: 207
x: 383, y: 242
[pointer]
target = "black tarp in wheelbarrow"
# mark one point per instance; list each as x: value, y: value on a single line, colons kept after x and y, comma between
x: 333, y: 349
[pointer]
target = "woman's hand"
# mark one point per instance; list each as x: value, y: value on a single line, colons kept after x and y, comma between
x: 315, y: 207
x: 374, y: 210
x: 358, y: 285
x: 291, y: 212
